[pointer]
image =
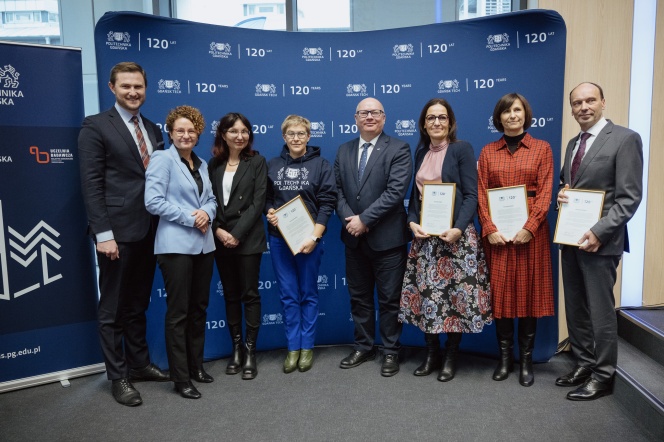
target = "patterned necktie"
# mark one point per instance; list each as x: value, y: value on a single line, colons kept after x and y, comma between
x: 363, y: 161
x: 142, y: 147
x: 579, y: 155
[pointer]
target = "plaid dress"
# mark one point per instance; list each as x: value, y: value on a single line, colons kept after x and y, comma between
x: 521, y: 275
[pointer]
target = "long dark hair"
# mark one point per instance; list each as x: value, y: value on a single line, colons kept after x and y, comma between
x: 425, y: 139
x: 220, y: 150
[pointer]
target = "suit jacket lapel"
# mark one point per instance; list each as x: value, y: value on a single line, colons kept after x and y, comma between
x: 219, y: 178
x: 116, y: 121
x: 241, y: 170
x: 378, y: 149
x: 151, y: 135
x: 597, y: 145
x: 185, y: 170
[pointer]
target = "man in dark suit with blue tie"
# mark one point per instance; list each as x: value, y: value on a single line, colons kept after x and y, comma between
x: 373, y: 173
x: 608, y: 157
x: 114, y: 149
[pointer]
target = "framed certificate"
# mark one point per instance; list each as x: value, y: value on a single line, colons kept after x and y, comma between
x: 437, y: 209
x: 295, y: 223
x: 508, y: 208
x: 581, y: 211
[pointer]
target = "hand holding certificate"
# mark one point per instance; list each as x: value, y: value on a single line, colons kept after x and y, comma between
x: 295, y: 223
x: 575, y: 217
x: 437, y: 207
x: 508, y: 208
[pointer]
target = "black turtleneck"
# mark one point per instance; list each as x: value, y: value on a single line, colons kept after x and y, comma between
x: 513, y: 142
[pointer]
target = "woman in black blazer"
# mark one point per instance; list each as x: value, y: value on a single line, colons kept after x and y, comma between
x: 239, y: 179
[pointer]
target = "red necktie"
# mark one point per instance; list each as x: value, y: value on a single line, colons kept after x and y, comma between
x: 142, y: 147
x: 579, y: 155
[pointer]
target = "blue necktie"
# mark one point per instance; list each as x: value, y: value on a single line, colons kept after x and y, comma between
x: 363, y: 161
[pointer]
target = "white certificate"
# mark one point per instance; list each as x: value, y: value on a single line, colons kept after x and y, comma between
x: 437, y: 207
x: 581, y: 211
x: 508, y: 208
x: 295, y: 223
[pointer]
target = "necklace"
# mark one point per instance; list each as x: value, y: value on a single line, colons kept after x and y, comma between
x: 231, y: 164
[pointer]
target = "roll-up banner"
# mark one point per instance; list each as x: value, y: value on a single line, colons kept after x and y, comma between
x: 267, y: 75
x: 48, y: 295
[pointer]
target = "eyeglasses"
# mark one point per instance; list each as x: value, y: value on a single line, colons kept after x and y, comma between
x: 235, y: 133
x: 181, y: 133
x: 300, y: 135
x: 365, y: 113
x: 432, y: 119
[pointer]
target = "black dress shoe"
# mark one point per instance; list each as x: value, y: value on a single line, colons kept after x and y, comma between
x: 149, y: 373
x: 201, y: 376
x: 357, y: 357
x: 592, y: 389
x: 390, y: 365
x: 577, y: 377
x: 125, y: 393
x: 187, y: 390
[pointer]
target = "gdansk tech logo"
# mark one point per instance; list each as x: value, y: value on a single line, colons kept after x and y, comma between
x: 9, y: 85
x: 24, y: 250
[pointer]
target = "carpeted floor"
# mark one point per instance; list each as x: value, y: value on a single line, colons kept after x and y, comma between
x: 324, y: 404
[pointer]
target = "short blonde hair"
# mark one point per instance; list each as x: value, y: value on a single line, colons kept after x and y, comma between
x: 295, y: 120
x: 190, y: 113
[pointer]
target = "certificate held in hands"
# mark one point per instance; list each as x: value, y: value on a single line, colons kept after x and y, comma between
x: 581, y: 211
x: 437, y: 210
x: 295, y: 223
x: 508, y: 208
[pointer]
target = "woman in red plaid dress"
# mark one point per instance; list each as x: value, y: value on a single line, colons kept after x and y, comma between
x: 519, y: 267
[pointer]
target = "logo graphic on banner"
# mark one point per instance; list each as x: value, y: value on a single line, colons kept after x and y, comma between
x: 323, y: 282
x: 356, y: 90
x: 266, y: 90
x: 313, y: 54
x: 118, y: 40
x: 405, y: 128
x: 447, y: 86
x: 23, y: 251
x: 220, y: 50
x: 169, y: 87
x: 273, y: 319
x: 40, y: 157
x: 491, y: 127
x: 9, y: 82
x: 403, y: 51
x: 498, y: 42
x: 317, y: 129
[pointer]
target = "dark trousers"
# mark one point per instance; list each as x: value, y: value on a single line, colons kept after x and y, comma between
x: 384, y: 270
x: 239, y: 277
x: 125, y: 285
x: 588, y: 280
x: 187, y: 280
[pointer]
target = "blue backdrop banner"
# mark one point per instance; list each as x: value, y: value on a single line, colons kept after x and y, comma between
x: 267, y: 75
x: 47, y: 278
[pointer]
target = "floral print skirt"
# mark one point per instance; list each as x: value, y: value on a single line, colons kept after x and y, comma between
x: 446, y: 286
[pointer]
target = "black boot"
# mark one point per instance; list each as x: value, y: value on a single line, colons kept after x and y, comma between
x: 249, y: 368
x: 527, y: 327
x: 433, y: 359
x: 235, y: 362
x: 505, y: 334
x: 450, y: 360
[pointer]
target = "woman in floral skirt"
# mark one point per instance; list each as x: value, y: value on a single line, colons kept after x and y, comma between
x: 446, y: 285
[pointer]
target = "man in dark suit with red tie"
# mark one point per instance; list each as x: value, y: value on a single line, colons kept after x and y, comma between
x: 114, y: 149
x: 608, y: 157
x: 373, y: 173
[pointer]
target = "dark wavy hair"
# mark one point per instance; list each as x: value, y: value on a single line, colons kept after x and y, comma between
x: 425, y: 139
x: 505, y: 102
x: 220, y: 150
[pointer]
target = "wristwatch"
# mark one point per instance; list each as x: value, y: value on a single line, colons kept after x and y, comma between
x: 315, y: 238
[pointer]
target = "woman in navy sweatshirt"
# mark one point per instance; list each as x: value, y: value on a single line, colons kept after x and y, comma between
x: 299, y: 170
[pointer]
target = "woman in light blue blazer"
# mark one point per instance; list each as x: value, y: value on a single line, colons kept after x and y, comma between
x: 178, y: 189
